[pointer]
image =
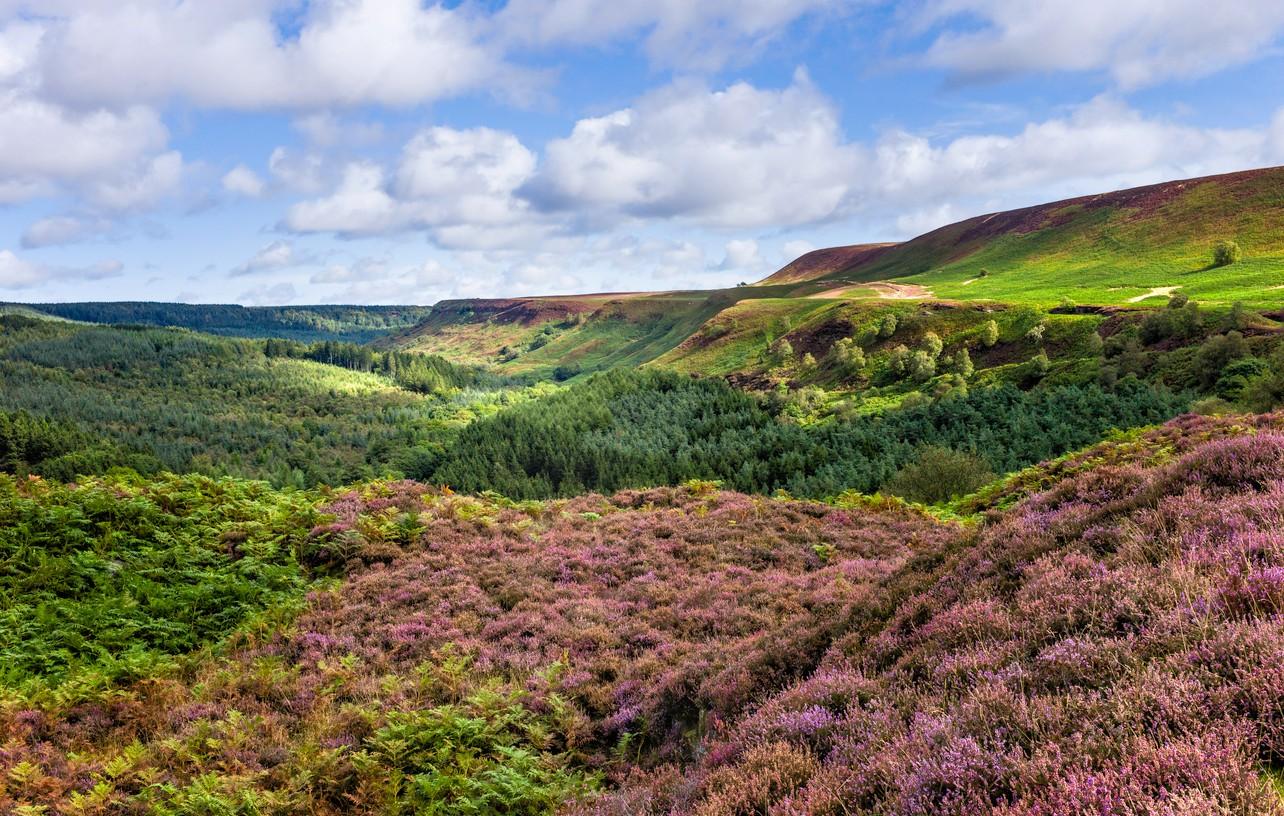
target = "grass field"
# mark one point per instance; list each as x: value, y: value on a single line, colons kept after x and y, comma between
x: 1107, y: 249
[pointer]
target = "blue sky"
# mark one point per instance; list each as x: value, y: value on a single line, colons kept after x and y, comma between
x: 396, y: 151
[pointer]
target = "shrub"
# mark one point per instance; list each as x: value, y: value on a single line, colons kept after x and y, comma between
x: 1226, y: 253
x: 1235, y: 378
x: 566, y: 371
x: 849, y: 357
x: 932, y: 344
x: 940, y: 474
x: 1216, y: 353
x: 990, y: 334
x: 887, y: 326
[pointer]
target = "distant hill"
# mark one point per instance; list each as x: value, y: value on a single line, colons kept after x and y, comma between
x: 357, y: 324
x: 1114, y: 247
x: 573, y: 334
x: 1130, y: 249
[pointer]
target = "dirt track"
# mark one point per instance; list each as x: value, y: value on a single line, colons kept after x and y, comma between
x: 883, y: 289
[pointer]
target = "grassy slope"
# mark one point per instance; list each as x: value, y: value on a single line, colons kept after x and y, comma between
x: 1105, y: 249
x: 593, y: 331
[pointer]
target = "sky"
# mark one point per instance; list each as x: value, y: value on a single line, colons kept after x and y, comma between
x: 402, y: 151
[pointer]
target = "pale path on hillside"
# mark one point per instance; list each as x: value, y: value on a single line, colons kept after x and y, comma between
x: 883, y: 289
x: 1158, y: 291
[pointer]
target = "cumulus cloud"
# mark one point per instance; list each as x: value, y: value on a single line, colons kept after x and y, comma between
x: 276, y: 255
x: 62, y: 229
x: 158, y: 178
x: 1098, y: 146
x: 360, y: 205
x: 742, y: 255
x: 745, y: 158
x: 739, y: 157
x: 459, y: 185
x: 231, y: 54
x: 18, y: 273
x: 1140, y: 42
x: 298, y: 172
x: 45, y: 147
x: 241, y: 180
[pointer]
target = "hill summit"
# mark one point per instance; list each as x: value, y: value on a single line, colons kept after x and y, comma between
x: 1095, y: 249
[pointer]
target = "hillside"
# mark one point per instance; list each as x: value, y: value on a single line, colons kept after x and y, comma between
x: 823, y: 263
x: 357, y: 324
x: 1102, y: 249
x: 78, y: 399
x: 1109, y: 642
x: 1107, y: 254
x: 538, y: 335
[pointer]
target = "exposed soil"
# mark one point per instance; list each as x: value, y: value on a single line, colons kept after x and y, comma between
x: 886, y: 290
x: 1158, y: 291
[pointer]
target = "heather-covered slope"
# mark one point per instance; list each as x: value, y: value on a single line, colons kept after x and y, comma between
x: 1112, y: 645
x: 481, y: 658
x: 1112, y: 642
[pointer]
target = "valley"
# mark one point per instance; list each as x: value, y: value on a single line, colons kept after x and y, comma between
x: 982, y: 522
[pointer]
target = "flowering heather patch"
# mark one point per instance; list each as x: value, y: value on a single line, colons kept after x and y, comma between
x: 483, y: 649
x: 1114, y: 645
x: 1147, y: 446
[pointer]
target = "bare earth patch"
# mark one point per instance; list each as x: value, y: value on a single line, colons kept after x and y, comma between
x: 1158, y: 291
x: 882, y: 289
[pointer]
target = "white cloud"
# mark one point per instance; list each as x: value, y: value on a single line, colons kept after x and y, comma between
x: 746, y: 158
x: 243, y: 181
x: 141, y: 188
x: 15, y: 273
x: 19, y: 273
x: 740, y: 157
x: 1099, y: 146
x: 794, y: 249
x: 743, y: 256
x: 458, y: 185
x: 44, y: 146
x: 276, y: 255
x: 359, y: 206
x: 681, y: 33
x: 63, y: 229
x: 231, y: 55
x: 1276, y: 138
x: 299, y: 173
x: 1139, y: 42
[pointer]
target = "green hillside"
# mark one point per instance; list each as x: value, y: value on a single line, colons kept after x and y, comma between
x: 576, y: 334
x: 78, y: 399
x: 356, y: 324
x: 1117, y: 253
x: 1104, y: 249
